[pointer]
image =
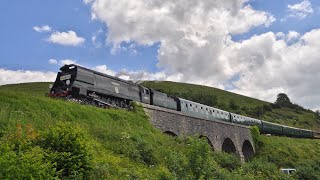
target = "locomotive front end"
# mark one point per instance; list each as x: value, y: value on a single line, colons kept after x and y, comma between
x: 62, y: 86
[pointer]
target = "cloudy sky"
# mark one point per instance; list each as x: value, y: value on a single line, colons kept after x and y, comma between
x: 257, y: 48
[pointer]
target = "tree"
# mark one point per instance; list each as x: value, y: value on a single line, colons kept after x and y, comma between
x: 317, y: 112
x: 283, y: 100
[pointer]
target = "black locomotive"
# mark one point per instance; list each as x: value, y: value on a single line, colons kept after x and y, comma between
x: 92, y: 87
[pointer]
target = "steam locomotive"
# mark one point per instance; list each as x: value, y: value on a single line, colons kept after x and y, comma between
x: 92, y: 87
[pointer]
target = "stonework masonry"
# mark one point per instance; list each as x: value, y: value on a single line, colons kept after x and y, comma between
x: 222, y: 136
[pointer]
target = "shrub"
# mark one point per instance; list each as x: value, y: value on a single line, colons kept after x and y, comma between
x: 67, y: 146
x: 256, y: 137
x: 21, y: 159
x: 28, y: 163
x: 176, y: 163
x: 200, y: 162
x: 146, y: 151
x: 228, y: 161
x: 308, y: 170
x: 261, y: 169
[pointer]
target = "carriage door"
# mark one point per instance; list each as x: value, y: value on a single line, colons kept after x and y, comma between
x: 144, y: 95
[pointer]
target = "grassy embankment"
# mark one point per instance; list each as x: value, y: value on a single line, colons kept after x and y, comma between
x: 43, y: 138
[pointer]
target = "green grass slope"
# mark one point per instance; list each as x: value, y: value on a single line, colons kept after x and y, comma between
x: 294, y: 116
x: 44, y: 138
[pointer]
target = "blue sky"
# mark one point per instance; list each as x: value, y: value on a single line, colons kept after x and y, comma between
x: 24, y: 48
x: 279, y: 9
x: 234, y: 45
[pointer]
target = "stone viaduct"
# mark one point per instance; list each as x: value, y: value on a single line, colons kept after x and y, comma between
x: 222, y: 136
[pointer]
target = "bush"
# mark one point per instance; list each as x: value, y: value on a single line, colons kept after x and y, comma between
x: 261, y: 169
x: 67, y: 146
x: 196, y: 163
x: 200, y: 162
x: 176, y: 163
x: 29, y: 163
x: 228, y: 161
x: 308, y: 170
x: 21, y: 159
x: 256, y: 137
x: 145, y: 151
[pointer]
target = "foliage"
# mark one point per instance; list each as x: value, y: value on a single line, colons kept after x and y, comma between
x: 255, y: 133
x: 309, y: 170
x: 67, y: 146
x: 261, y: 169
x: 283, y: 100
x: 228, y: 161
x: 24, y: 163
x: 58, y: 151
x: 200, y: 162
x: 120, y: 144
x: 233, y: 105
x: 20, y: 159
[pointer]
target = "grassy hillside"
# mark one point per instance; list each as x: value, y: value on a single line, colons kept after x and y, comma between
x: 293, y: 116
x: 43, y: 138
x: 221, y: 97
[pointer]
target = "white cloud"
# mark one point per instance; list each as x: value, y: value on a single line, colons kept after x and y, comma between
x: 300, y: 10
x: 62, y: 62
x: 53, y: 61
x: 96, y: 39
x: 87, y: 1
x: 104, y: 69
x: 136, y: 75
x: 69, y: 38
x: 43, y: 28
x: 292, y: 35
x: 67, y: 61
x: 148, y: 22
x: 276, y: 66
x: 21, y: 76
x: 191, y: 34
x: 196, y: 46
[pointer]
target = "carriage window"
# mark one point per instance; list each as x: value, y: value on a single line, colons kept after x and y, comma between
x: 190, y: 105
x: 147, y: 91
x: 201, y: 107
x: 186, y: 105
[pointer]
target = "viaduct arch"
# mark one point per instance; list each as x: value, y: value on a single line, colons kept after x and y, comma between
x: 222, y: 136
x: 228, y: 146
